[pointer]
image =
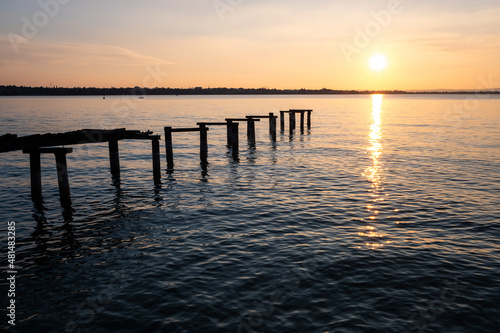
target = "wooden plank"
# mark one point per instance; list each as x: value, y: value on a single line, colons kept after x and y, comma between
x: 241, y: 119
x: 212, y: 124
x: 193, y: 129
x: 12, y: 143
x: 51, y: 150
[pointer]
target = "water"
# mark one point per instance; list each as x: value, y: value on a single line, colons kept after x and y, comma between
x: 382, y: 218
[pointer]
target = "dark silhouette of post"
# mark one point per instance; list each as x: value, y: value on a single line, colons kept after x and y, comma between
x: 291, y: 116
x: 203, y: 145
x: 309, y: 119
x: 251, y: 131
x: 229, y: 132
x: 155, y: 143
x: 302, y: 114
x: 114, y: 158
x: 36, y: 176
x: 282, y: 121
x: 169, y: 150
x: 235, y: 140
x: 272, y: 126
x: 62, y: 176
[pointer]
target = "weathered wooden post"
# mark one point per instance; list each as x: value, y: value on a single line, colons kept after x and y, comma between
x: 302, y: 114
x: 309, y: 119
x: 36, y: 176
x: 169, y: 150
x: 114, y: 158
x: 291, y: 115
x: 203, y: 145
x: 282, y: 121
x: 229, y: 132
x: 62, y: 175
x: 272, y: 126
x: 155, y: 142
x: 235, y: 140
x: 251, y: 131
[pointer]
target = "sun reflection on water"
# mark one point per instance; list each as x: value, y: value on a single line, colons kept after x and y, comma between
x: 373, y: 174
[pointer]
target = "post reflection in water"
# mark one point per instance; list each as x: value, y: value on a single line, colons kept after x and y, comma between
x: 373, y: 174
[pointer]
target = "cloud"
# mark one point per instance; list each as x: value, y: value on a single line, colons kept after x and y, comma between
x: 49, y: 54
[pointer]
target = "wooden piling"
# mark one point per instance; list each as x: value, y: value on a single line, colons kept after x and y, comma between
x: 169, y: 150
x: 203, y: 145
x: 291, y: 116
x: 62, y: 177
x: 272, y: 126
x: 235, y: 140
x: 309, y: 119
x: 282, y: 121
x: 36, y: 176
x: 155, y: 143
x: 251, y: 131
x: 114, y: 158
x: 302, y: 114
x: 229, y: 132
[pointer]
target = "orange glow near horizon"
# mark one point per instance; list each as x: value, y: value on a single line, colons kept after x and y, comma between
x: 266, y: 44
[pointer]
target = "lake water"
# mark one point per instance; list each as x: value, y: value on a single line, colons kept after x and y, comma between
x: 384, y: 217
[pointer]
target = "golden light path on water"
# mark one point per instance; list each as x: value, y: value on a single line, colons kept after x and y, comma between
x: 373, y: 172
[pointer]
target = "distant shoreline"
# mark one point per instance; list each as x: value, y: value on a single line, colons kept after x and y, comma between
x: 138, y: 91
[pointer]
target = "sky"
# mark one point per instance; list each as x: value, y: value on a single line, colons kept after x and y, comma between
x: 284, y: 44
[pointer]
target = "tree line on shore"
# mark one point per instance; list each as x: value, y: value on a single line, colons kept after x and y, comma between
x: 12, y: 90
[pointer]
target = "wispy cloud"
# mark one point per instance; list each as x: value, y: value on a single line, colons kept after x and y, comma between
x: 50, y: 54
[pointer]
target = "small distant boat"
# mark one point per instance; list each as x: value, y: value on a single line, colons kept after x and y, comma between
x: 141, y: 97
x: 103, y: 97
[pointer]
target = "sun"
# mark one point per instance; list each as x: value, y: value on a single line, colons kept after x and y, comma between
x: 378, y: 62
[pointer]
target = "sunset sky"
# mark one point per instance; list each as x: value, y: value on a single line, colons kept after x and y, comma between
x: 286, y: 44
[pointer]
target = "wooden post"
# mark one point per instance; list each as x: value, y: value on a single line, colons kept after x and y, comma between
x: 251, y: 131
x: 36, y: 177
x: 203, y: 145
x: 169, y: 148
x: 235, y: 140
x: 229, y: 132
x: 156, y: 159
x: 302, y: 114
x: 309, y: 119
x: 282, y: 121
x: 114, y: 158
x: 272, y: 126
x: 291, y: 116
x: 62, y: 178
